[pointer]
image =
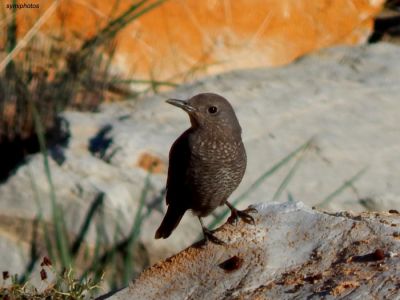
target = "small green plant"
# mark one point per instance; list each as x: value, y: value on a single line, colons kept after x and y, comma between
x: 64, y: 286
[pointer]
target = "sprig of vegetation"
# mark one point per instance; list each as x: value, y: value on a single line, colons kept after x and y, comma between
x: 57, y: 213
x: 346, y: 184
x: 285, y: 182
x: 64, y: 286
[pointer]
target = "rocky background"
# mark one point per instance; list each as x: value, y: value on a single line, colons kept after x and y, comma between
x: 181, y: 40
x: 345, y: 100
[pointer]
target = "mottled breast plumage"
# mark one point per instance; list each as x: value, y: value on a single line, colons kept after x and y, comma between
x: 217, y: 166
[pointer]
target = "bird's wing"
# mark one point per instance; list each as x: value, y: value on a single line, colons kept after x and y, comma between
x: 179, y: 156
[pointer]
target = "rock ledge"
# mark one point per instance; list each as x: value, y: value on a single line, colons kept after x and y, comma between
x: 292, y: 252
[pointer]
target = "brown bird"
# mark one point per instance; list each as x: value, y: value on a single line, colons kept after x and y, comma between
x: 206, y: 163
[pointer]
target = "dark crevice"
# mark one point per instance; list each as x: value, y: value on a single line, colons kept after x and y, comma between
x: 385, y: 26
x: 387, y: 23
x: 14, y: 151
x: 100, y: 144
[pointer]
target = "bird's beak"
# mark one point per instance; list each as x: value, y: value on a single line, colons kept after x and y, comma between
x: 182, y: 104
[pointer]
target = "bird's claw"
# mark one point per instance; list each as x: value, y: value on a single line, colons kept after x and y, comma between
x: 209, y: 236
x: 251, y: 210
x: 243, y: 214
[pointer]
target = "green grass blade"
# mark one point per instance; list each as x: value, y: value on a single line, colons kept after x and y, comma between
x: 11, y: 40
x: 290, y: 198
x: 136, y: 16
x: 115, y: 25
x: 47, y: 237
x: 290, y: 174
x: 61, y: 239
x: 260, y: 180
x: 97, y: 203
x: 345, y: 185
x: 100, y: 231
x: 105, y: 33
x: 135, y: 231
x: 34, y: 254
x: 271, y: 171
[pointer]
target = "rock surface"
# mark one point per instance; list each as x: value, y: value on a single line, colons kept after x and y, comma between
x: 346, y: 98
x: 184, y: 39
x: 293, y: 252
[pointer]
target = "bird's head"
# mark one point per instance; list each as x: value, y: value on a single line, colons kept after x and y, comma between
x: 208, y: 110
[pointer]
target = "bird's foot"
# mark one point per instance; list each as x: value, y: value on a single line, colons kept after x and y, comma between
x: 243, y: 214
x: 209, y: 236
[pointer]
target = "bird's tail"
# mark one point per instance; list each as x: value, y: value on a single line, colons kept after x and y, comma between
x: 170, y: 221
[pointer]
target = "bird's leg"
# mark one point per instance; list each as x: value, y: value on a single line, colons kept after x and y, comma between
x: 208, y: 235
x: 243, y: 214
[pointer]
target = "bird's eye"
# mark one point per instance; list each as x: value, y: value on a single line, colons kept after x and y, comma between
x: 212, y: 109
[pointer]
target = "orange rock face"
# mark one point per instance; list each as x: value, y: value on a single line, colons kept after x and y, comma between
x: 184, y: 38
